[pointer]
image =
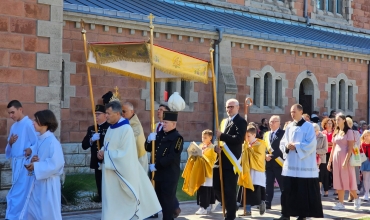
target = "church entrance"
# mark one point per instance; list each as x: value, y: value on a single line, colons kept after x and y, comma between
x: 306, y: 92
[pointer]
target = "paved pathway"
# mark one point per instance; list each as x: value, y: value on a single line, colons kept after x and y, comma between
x: 189, y: 208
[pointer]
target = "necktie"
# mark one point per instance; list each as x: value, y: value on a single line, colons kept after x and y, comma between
x: 159, y: 127
x: 271, y: 136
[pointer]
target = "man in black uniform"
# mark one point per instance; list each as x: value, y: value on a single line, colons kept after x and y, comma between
x: 167, y: 162
x: 274, y: 158
x: 90, y: 141
x: 233, y: 136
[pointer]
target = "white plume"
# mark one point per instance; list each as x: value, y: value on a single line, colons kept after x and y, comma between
x: 176, y: 102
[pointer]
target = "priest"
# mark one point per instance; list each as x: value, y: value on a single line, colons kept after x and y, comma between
x: 301, y: 193
x: 126, y: 190
x: 129, y: 113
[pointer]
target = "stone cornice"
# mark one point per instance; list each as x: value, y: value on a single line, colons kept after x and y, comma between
x: 296, y: 47
x: 114, y: 22
x: 135, y: 25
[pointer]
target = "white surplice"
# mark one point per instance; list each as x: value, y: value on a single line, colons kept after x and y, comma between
x: 302, y: 161
x: 27, y: 138
x: 126, y: 189
x: 44, y: 198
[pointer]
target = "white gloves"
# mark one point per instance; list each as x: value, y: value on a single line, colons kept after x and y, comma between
x: 152, y: 167
x: 95, y: 137
x: 152, y: 136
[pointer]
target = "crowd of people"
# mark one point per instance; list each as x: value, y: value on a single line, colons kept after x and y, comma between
x: 307, y: 157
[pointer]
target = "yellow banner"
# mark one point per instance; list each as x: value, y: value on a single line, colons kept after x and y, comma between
x: 179, y: 64
x: 132, y: 59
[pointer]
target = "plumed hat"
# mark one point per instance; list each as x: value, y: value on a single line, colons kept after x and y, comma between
x: 176, y: 103
x: 106, y: 97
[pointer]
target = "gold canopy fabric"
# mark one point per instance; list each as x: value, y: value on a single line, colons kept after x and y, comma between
x: 132, y: 59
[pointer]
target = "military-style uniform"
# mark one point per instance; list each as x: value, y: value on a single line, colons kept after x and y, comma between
x: 167, y: 163
x: 102, y: 129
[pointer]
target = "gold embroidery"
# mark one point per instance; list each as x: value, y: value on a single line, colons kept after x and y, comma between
x: 178, y: 144
x: 164, y: 152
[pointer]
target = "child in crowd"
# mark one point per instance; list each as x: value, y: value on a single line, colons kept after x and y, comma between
x: 253, y: 177
x: 198, y: 174
x: 46, y: 166
x: 365, y: 167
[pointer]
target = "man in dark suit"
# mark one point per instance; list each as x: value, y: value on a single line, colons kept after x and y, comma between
x: 90, y: 141
x: 167, y: 163
x: 274, y: 158
x: 233, y: 137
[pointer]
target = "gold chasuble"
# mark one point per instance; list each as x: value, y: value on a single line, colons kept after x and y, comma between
x: 197, y: 169
x: 139, y: 135
x: 252, y: 158
x: 126, y: 189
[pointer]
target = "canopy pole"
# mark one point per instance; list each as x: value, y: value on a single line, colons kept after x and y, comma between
x: 152, y: 120
x: 217, y: 124
x: 246, y: 108
x: 83, y: 32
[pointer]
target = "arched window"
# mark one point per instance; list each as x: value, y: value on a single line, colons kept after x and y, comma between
x: 256, y: 91
x: 342, y: 95
x: 339, y: 6
x: 267, y: 87
x: 350, y: 98
x: 333, y: 96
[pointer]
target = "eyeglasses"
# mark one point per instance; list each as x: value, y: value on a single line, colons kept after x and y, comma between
x: 230, y: 106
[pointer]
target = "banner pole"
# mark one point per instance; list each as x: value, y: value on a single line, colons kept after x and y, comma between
x: 217, y: 124
x: 83, y: 32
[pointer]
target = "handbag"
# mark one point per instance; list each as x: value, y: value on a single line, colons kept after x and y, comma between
x: 363, y: 155
x: 356, y: 157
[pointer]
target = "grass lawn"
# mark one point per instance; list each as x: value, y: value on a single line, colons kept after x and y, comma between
x: 86, y: 182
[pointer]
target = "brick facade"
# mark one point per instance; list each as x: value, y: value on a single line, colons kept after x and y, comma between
x: 245, y: 60
x: 361, y: 14
x: 18, y: 47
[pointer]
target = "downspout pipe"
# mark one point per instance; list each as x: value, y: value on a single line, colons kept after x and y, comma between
x: 368, y: 91
x: 216, y: 63
x: 305, y: 13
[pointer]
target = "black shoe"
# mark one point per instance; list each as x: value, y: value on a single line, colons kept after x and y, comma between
x: 282, y: 218
x: 336, y: 198
x: 262, y: 208
x: 335, y: 194
x: 268, y: 207
x: 350, y: 200
x: 301, y: 218
x: 154, y: 216
x: 325, y: 195
x: 176, y: 213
